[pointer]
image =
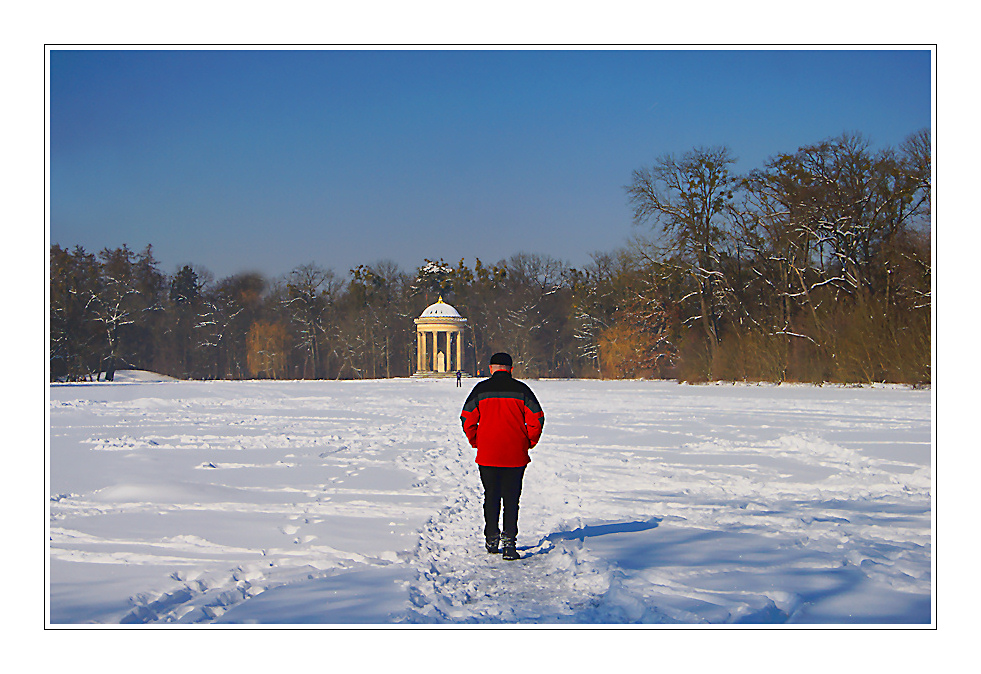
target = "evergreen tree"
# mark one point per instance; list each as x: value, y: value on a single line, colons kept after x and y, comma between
x: 185, y: 298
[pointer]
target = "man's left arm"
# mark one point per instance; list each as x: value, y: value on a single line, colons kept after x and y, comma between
x: 534, y: 418
x: 470, y: 418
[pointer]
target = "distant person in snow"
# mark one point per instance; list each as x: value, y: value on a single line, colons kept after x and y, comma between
x: 502, y: 420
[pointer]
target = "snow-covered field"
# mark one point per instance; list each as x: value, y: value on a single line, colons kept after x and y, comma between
x: 359, y: 502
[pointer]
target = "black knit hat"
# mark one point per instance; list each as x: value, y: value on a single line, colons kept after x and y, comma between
x: 501, y: 359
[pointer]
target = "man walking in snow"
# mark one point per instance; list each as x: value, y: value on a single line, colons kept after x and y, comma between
x: 502, y: 420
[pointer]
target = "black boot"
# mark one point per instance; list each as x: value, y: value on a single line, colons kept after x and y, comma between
x: 510, y: 549
x: 492, y: 543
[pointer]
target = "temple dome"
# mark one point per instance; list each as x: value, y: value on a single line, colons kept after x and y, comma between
x: 440, y: 310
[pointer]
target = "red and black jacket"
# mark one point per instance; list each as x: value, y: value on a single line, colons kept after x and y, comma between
x: 502, y: 420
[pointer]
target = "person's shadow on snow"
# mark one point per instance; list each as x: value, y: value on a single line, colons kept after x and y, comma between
x: 590, y: 531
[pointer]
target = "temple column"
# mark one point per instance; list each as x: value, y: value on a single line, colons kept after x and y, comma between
x: 449, y: 358
x: 435, y: 335
x: 459, y: 350
x: 446, y: 351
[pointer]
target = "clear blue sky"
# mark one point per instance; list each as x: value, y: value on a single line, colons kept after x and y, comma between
x: 265, y: 160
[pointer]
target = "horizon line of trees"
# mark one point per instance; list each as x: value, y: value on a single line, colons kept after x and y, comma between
x: 814, y: 268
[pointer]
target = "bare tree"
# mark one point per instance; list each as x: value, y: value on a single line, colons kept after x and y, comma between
x: 114, y: 304
x: 311, y: 292
x: 526, y: 317
x: 689, y: 199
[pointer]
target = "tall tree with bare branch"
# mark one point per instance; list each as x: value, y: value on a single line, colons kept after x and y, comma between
x: 688, y: 201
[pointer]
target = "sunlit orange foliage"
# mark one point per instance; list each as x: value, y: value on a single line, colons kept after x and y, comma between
x: 267, y: 350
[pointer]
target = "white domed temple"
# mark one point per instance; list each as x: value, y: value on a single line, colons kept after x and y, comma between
x: 439, y: 341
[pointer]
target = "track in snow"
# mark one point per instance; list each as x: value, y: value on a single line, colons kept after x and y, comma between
x: 339, y: 502
x: 556, y: 581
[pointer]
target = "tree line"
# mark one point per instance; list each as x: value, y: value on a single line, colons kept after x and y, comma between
x: 815, y: 267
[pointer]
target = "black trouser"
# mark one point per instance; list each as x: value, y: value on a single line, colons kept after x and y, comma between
x: 501, y: 484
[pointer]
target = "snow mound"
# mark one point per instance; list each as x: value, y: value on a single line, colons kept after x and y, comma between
x: 137, y: 377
